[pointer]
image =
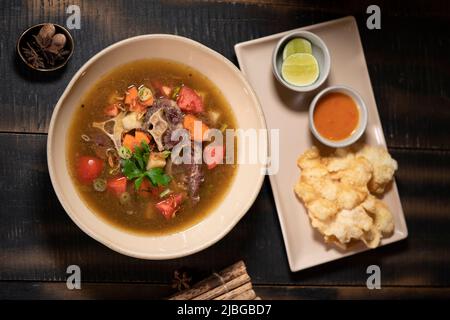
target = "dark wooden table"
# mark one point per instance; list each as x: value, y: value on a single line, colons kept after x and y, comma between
x: 409, y: 66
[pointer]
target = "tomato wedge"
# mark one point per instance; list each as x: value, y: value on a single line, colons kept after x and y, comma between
x: 189, y: 101
x: 89, y: 168
x: 213, y: 155
x: 117, y: 185
x: 112, y: 110
x: 170, y: 206
x: 147, y: 190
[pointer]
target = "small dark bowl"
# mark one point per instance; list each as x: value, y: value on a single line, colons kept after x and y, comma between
x: 27, y: 35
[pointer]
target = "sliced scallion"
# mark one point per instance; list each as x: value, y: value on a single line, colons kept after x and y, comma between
x: 114, y: 171
x: 99, y: 184
x: 165, y: 193
x: 175, y: 92
x: 124, y: 198
x: 144, y: 93
x: 124, y: 152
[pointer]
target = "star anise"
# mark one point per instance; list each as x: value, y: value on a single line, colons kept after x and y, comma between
x: 181, y: 280
x: 33, y: 57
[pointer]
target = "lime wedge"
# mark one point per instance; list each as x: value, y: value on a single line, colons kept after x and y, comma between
x: 297, y: 45
x: 300, y: 69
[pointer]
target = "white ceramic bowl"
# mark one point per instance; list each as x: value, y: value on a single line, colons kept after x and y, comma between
x: 362, y: 124
x: 319, y: 51
x: 246, y: 184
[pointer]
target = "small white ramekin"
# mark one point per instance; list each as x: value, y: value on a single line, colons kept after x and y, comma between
x: 319, y: 51
x: 362, y: 116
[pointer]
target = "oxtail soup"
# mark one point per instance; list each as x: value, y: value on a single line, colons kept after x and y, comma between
x: 121, y: 141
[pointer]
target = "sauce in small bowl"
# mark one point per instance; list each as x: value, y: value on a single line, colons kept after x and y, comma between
x: 338, y: 116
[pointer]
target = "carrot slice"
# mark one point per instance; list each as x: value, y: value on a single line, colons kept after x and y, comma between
x: 129, y: 141
x: 189, y: 124
x: 140, y: 137
x: 131, y: 95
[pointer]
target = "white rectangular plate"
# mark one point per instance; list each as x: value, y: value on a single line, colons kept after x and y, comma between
x: 288, y: 111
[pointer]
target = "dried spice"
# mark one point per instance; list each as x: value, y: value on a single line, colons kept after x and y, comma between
x: 181, y: 280
x: 46, y: 50
x: 33, y: 57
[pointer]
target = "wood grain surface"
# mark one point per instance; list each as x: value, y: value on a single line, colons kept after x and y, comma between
x: 409, y: 69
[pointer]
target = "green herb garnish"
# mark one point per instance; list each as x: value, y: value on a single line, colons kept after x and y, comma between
x: 135, y: 168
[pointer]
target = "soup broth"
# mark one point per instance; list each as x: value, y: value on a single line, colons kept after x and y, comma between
x: 169, y: 197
